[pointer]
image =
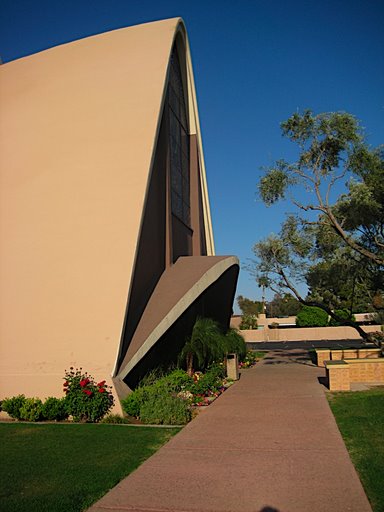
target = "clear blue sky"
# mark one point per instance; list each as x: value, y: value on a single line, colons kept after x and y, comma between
x: 255, y: 62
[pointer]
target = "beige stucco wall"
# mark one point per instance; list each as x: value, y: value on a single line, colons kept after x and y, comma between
x: 78, y: 126
x: 306, y: 333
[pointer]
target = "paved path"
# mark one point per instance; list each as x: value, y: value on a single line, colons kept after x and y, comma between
x: 268, y: 444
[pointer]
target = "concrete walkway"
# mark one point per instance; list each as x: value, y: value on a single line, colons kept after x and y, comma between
x: 268, y: 444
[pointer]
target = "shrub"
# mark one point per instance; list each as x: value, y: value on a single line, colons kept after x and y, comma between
x: 152, y: 377
x: 173, y: 383
x: 311, y: 316
x: 85, y: 400
x: 32, y: 409
x: 176, y: 381
x: 114, y: 418
x: 205, y: 345
x: 343, y: 315
x: 55, y: 409
x: 211, y: 381
x: 248, y: 322
x: 13, y: 405
x: 165, y: 410
x: 235, y: 343
x: 133, y: 402
x: 250, y: 358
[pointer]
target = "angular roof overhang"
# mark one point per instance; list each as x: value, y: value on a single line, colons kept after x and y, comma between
x: 178, y: 288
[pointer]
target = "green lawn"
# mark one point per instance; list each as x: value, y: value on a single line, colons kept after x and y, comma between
x: 360, y: 417
x: 66, y: 468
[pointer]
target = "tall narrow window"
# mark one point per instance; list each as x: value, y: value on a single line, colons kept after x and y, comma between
x: 179, y: 144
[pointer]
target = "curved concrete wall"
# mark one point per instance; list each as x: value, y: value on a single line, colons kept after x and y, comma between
x: 79, y: 127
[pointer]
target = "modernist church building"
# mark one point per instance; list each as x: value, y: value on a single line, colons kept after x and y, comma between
x: 106, y: 251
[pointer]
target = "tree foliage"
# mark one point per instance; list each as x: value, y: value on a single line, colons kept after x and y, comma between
x: 248, y: 306
x: 283, y: 305
x: 335, y: 241
x: 343, y: 314
x: 332, y: 148
x: 248, y: 322
x: 311, y: 317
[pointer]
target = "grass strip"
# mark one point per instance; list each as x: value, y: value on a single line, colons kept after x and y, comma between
x: 259, y: 354
x: 360, y: 417
x: 66, y: 468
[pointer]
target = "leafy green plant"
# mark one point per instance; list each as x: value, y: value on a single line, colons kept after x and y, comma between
x: 132, y: 403
x: 165, y: 410
x: 206, y: 345
x: 177, y: 380
x: 114, y: 419
x: 342, y: 315
x: 311, y: 316
x: 85, y: 400
x: 250, y: 358
x: 54, y: 409
x: 32, y: 409
x: 210, y: 381
x: 248, y: 322
x: 235, y: 343
x: 13, y: 405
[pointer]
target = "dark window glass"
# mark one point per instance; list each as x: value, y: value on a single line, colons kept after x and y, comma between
x: 179, y: 144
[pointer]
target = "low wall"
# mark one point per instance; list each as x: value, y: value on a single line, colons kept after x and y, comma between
x: 366, y: 370
x: 306, y: 333
x: 340, y: 374
x: 350, y: 353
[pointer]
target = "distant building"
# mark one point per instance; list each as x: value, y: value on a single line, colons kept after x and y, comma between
x: 107, y: 253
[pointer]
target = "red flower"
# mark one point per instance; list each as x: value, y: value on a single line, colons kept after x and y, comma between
x: 101, y: 384
x: 101, y: 390
x: 87, y: 391
x: 66, y: 383
x: 84, y: 382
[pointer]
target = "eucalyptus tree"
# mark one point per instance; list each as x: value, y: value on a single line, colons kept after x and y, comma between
x: 332, y: 148
x: 337, y: 187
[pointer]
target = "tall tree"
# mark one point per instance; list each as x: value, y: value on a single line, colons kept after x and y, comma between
x: 283, y: 305
x: 248, y: 306
x: 335, y: 226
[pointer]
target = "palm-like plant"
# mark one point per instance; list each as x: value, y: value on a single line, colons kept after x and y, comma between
x: 206, y: 344
x: 235, y: 343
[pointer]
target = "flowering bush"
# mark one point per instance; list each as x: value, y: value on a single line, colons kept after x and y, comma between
x: 168, y: 399
x: 250, y: 359
x: 85, y: 399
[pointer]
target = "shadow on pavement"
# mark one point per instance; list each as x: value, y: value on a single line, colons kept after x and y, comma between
x: 323, y: 381
x: 295, y: 356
